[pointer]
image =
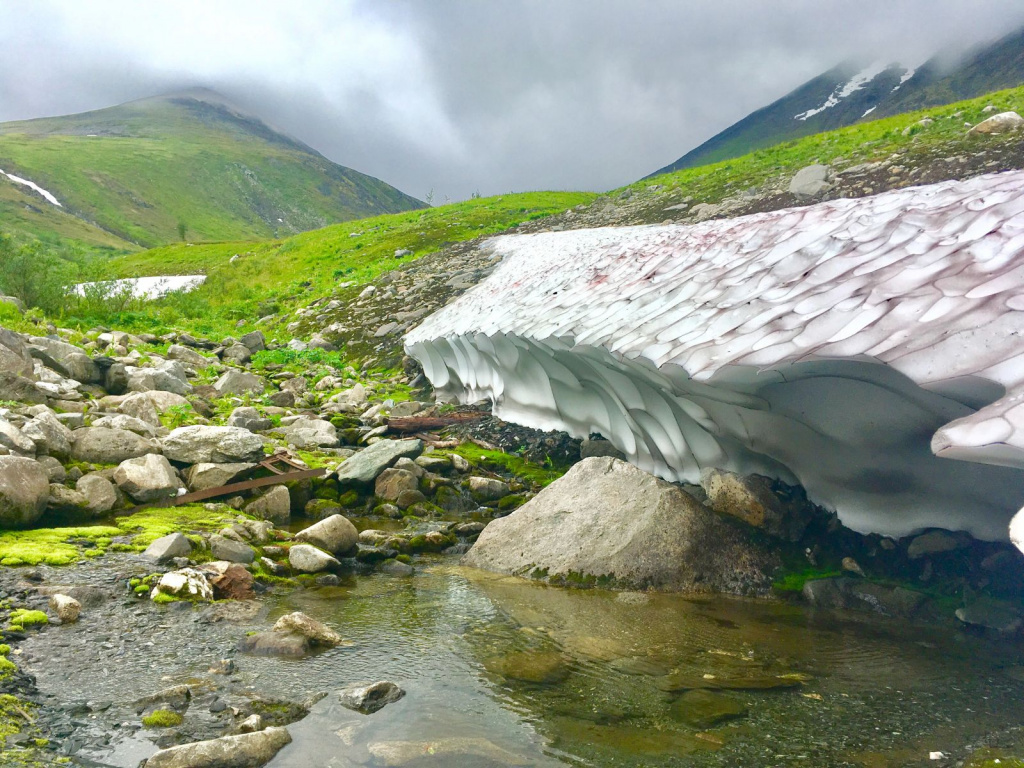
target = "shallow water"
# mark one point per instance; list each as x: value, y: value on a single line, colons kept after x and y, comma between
x: 499, y: 671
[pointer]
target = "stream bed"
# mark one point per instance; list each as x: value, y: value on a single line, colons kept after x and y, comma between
x: 499, y: 671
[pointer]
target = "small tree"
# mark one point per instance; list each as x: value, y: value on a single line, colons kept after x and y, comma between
x: 429, y: 198
x: 182, y: 229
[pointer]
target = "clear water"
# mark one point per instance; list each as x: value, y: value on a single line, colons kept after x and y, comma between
x: 599, y: 669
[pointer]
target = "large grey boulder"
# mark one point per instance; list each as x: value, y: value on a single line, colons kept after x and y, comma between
x: 239, y: 382
x: 19, y: 388
x: 188, y: 356
x: 167, y: 376
x: 140, y: 406
x: 100, y: 445
x: 810, y: 181
x: 130, y: 423
x: 1004, y: 122
x: 66, y: 500
x: 147, y: 479
x: 609, y: 522
x: 309, y: 559
x: 751, y: 499
x: 275, y: 505
x: 247, y: 750
x: 232, y: 551
x: 364, y: 467
x: 311, y: 433
x: 216, y: 445
x: 255, y: 341
x: 24, y: 490
x: 98, y: 492
x: 334, y: 534
x: 12, y: 438
x: 49, y: 435
x: 249, y: 418
x: 368, y: 699
x: 206, y: 475
x: 166, y: 548
x: 14, y: 355
x: 67, y: 359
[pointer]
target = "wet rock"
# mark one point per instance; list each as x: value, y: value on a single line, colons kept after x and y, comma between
x: 391, y: 482
x: 100, y: 445
x: 750, y: 498
x: 251, y: 724
x: 364, y: 467
x: 370, y: 698
x: 539, y: 667
x: 235, y: 382
x: 224, y: 548
x: 334, y: 534
x: 487, y: 489
x: 147, y: 479
x: 275, y: 644
x: 177, y: 697
x: 309, y: 559
x: 316, y: 632
x: 595, y: 448
x: 454, y: 751
x: 988, y: 614
x: 24, y: 491
x: 186, y: 583
x: 167, y: 547
x: 247, y: 750
x: 207, y: 475
x: 230, y: 581
x: 275, y: 505
x: 852, y: 566
x: 249, y: 418
x: 200, y: 444
x: 933, y: 543
x: 705, y: 709
x: 65, y: 500
x: 858, y: 595
x: 88, y: 595
x: 311, y: 433
x: 608, y: 522
x: 65, y: 608
x: 396, y: 568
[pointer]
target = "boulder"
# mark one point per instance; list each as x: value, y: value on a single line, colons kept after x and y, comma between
x: 231, y: 551
x: 212, y: 445
x: 309, y: 559
x: 164, y: 401
x: 66, y: 500
x: 311, y: 433
x: 487, y: 488
x: 19, y: 388
x: 140, y: 406
x: 67, y: 359
x: 115, y: 379
x: 933, y: 543
x: 236, y: 382
x: 391, y: 482
x: 167, y: 376
x: 1004, y: 122
x: 608, y: 522
x: 130, y: 423
x: 275, y: 644
x: 275, y: 505
x: 591, y: 448
x: 14, y: 355
x: 334, y: 534
x: 202, y: 476
x: 247, y: 750
x: 751, y: 499
x: 168, y: 547
x: 370, y: 698
x: 249, y: 418
x: 187, y: 583
x: 254, y: 341
x: 49, y: 435
x: 65, y: 608
x: 188, y: 356
x: 810, y: 181
x: 313, y: 630
x: 238, y: 353
x: 54, y: 469
x: 147, y: 479
x: 364, y: 467
x: 858, y: 595
x: 100, y: 445
x: 230, y: 581
x: 14, y: 440
x: 100, y: 496
x: 24, y: 490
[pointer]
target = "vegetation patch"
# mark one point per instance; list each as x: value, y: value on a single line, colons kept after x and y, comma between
x: 496, y: 461
x: 162, y: 718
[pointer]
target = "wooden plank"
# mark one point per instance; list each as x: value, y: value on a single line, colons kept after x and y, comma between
x: 247, y: 485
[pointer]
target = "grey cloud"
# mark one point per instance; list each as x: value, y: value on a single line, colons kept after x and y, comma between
x: 460, y: 96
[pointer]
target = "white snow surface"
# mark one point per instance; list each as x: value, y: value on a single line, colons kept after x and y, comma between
x: 145, y: 287
x: 855, y: 83
x: 32, y: 185
x: 869, y: 349
x: 907, y: 74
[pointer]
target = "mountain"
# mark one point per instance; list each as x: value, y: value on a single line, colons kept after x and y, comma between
x: 852, y: 92
x: 146, y: 172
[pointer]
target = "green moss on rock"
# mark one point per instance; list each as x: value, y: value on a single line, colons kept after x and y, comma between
x: 162, y: 718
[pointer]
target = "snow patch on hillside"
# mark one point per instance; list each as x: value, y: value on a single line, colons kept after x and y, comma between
x: 856, y: 83
x: 906, y: 76
x: 32, y: 185
x: 144, y: 287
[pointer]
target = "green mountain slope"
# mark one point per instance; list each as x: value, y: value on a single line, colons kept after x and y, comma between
x: 852, y: 93
x: 135, y: 173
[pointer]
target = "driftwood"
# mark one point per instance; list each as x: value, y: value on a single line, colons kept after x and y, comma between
x: 430, y: 423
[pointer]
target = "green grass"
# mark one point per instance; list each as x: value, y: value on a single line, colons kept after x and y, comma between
x: 272, y: 277
x: 162, y: 718
x: 861, y: 143
x: 26, y: 618
x: 533, y: 474
x: 157, y: 163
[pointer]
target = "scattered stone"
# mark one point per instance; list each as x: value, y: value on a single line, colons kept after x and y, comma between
x: 139, y: 405
x: 186, y: 583
x: 24, y: 491
x: 396, y: 568
x: 255, y: 341
x: 313, y: 630
x: 167, y: 547
x: 249, y: 418
x: 309, y: 559
x: 275, y: 644
x: 538, y: 667
x: 705, y: 709
x: 49, y: 435
x: 147, y: 479
x: 750, y: 498
x: 810, y: 181
x: 99, y: 445
x: 852, y: 566
x: 933, y: 543
x: 188, y: 356
x: 65, y: 500
x: 66, y: 608
x: 334, y: 534
x: 224, y: 548
x: 230, y: 580
x: 311, y: 433
x: 1004, y: 122
x: 391, y: 482
x: 275, y: 505
x: 200, y: 444
x: 206, y: 475
x: 364, y: 467
x: 12, y: 438
x: 487, y: 489
x: 247, y: 750
x: 236, y: 382
x: 251, y: 724
x: 988, y: 614
x: 371, y: 698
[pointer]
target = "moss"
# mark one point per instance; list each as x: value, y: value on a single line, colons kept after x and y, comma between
x: 27, y: 618
x: 14, y: 715
x: 349, y: 499
x: 4, y: 649
x: 531, y: 473
x: 511, y: 502
x: 150, y: 524
x: 163, y: 599
x: 162, y: 718
x: 7, y: 667
x: 794, y: 581
x: 404, y: 559
x: 50, y: 546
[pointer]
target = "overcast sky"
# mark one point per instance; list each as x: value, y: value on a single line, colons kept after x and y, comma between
x: 463, y: 96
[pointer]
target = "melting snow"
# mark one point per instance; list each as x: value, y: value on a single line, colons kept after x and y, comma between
x: 906, y: 76
x: 32, y: 185
x: 146, y: 287
x: 868, y: 112
x: 857, y: 82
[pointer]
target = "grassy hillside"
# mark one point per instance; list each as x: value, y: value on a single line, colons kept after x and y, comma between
x: 277, y: 275
x: 141, y: 171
